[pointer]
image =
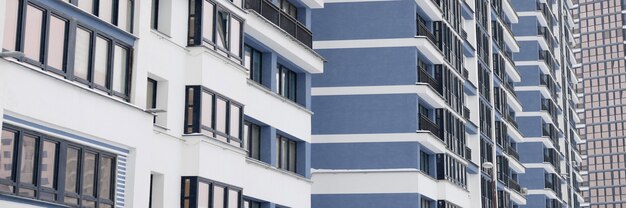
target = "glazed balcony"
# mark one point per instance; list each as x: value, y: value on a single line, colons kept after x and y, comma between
x: 275, y: 15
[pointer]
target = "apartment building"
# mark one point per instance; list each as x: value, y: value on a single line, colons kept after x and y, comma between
x: 549, y: 118
x: 600, y: 52
x: 161, y: 103
x: 417, y: 107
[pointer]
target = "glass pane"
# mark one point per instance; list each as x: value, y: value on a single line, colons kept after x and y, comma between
x: 81, y: 60
x: 150, y: 100
x: 47, y: 196
x: 7, y: 148
x: 124, y: 15
x: 27, y: 168
x: 86, y: 5
x: 89, y: 204
x: 233, y: 199
x: 203, y: 195
x: 120, y: 69
x: 207, y: 110
x: 26, y: 192
x: 207, y: 21
x: 187, y: 187
x: 105, y: 205
x: 235, y: 120
x: 106, y: 178
x: 292, y: 156
x: 235, y: 36
x: 255, y: 136
x: 89, y: 174
x: 106, y: 10
x: 48, y: 164
x: 71, y: 200
x: 218, y: 196
x: 256, y: 66
x: 222, y: 29
x: 220, y: 114
x: 247, y: 58
x: 56, y: 43
x: 101, y: 60
x: 71, y: 170
x: 32, y: 34
x: 10, y: 24
x: 283, y: 153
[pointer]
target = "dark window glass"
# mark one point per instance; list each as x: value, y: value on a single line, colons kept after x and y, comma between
x: 254, y: 140
x: 286, y: 153
x: 219, y: 117
x: 287, y: 83
x: 251, y: 204
x: 57, y: 43
x: 151, y: 94
x: 252, y: 62
x: 33, y: 33
x: 154, y: 21
x: 10, y: 24
x: 289, y: 8
x: 101, y: 61
x: 82, y: 50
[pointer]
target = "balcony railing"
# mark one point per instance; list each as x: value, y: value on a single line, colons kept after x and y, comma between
x: 429, y: 125
x: 515, y: 186
x: 466, y: 113
x: 425, y: 77
x: 422, y: 30
x: 468, y: 153
x: 512, y: 152
x: 275, y: 15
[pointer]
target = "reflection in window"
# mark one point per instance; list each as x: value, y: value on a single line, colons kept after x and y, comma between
x: 71, y: 176
x: 120, y: 65
x: 101, y: 59
x: 105, y: 10
x: 218, y: 196
x: 48, y: 163
x: 208, y: 193
x: 10, y: 24
x: 33, y: 33
x: 89, y: 173
x: 105, y: 178
x: 7, y: 144
x: 203, y: 195
x: 287, y: 83
x: 221, y: 37
x: 253, y: 140
x: 235, y: 37
x: 207, y: 21
x: 81, y: 59
x: 57, y: 43
x: 252, y: 62
x: 286, y: 153
x: 86, y: 5
x: 220, y: 29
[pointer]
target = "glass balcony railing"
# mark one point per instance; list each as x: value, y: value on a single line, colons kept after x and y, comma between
x: 428, y: 125
x: 422, y: 30
x: 425, y: 77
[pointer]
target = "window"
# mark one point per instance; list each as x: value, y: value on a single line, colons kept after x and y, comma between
x: 30, y: 169
x: 425, y: 163
x: 252, y: 62
x: 214, y: 115
x: 154, y: 22
x: 99, y: 60
x: 287, y: 83
x: 286, y: 153
x: 253, y: 140
x: 251, y: 204
x: 203, y: 193
x: 218, y: 28
x: 289, y: 8
x: 116, y: 12
x: 151, y: 94
x: 10, y: 24
x: 425, y: 203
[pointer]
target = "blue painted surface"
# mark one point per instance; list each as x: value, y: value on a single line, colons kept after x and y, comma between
x: 366, y: 155
x: 360, y: 114
x: 530, y: 126
x: 368, y: 67
x: 531, y: 152
x: 530, y: 100
x: 385, y: 19
x: 396, y: 200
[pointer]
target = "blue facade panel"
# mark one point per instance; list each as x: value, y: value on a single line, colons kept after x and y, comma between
x: 362, y: 114
x: 368, y: 67
x: 530, y: 100
x: 395, y: 200
x: 365, y: 155
x: 365, y: 20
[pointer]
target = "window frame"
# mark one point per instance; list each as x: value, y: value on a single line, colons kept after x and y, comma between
x: 252, y: 71
x: 284, y: 88
x: 196, y: 37
x: 249, y: 126
x: 59, y: 169
x: 69, y: 50
x: 115, y: 12
x: 280, y: 152
x: 194, y: 185
x: 196, y: 107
